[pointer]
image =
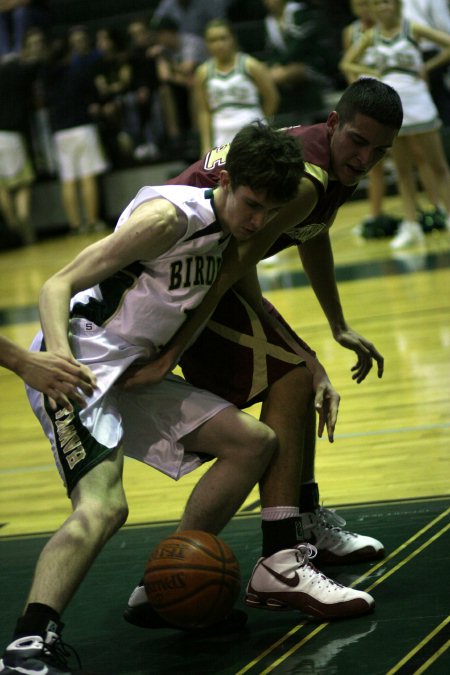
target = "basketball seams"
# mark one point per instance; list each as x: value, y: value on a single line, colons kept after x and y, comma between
x: 182, y: 566
x: 192, y: 579
x: 220, y: 556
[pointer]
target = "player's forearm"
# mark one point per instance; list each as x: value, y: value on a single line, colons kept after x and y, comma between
x: 440, y: 59
x: 317, y: 259
x: 54, y: 302
x: 11, y: 355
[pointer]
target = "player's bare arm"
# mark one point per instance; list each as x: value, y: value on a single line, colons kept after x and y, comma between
x: 61, y: 379
x: 268, y: 92
x: 317, y: 259
x: 350, y: 63
x: 150, y: 230
x: 202, y: 107
x: 438, y: 37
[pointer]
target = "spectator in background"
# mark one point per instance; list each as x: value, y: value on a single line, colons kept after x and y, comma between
x: 112, y: 79
x: 70, y: 93
x: 143, y: 119
x: 83, y: 52
x: 377, y: 224
x: 191, y: 15
x: 177, y: 54
x: 434, y: 14
x: 232, y: 89
x: 16, y: 18
x: 296, y: 55
x: 36, y: 51
x: 17, y: 78
x: 399, y: 63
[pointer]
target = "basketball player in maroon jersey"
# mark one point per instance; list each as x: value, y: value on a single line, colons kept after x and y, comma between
x: 253, y: 365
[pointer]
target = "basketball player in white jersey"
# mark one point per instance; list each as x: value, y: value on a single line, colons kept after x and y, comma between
x: 119, y: 301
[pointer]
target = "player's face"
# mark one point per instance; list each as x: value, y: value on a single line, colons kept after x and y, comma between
x: 357, y: 146
x: 246, y: 212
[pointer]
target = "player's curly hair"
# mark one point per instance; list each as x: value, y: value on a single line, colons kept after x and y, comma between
x: 368, y: 96
x: 265, y: 159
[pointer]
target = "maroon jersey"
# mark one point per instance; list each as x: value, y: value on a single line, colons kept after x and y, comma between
x: 315, y: 144
x: 237, y: 356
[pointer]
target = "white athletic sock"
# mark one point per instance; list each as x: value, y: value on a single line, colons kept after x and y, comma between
x: 279, y: 512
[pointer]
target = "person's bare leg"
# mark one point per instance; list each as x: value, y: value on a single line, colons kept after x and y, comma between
x: 243, y: 447
x: 89, y: 191
x: 70, y: 202
x: 429, y: 148
x: 99, y: 510
x: 22, y: 200
x: 309, y: 453
x: 405, y: 177
x: 285, y: 411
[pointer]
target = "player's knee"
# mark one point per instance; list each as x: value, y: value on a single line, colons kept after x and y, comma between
x: 264, y: 443
x: 106, y: 515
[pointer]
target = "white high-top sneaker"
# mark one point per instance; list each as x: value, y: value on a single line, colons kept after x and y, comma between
x: 286, y: 580
x: 336, y: 546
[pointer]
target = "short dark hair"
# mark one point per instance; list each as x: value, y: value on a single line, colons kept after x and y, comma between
x: 372, y: 98
x: 263, y: 158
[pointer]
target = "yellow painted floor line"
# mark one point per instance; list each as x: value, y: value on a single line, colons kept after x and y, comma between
x: 408, y: 558
x: 402, y: 547
x: 369, y: 573
x: 293, y: 649
x: 433, y: 658
x: 273, y: 646
x: 419, y: 646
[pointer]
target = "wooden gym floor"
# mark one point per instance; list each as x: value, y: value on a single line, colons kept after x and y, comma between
x: 388, y: 473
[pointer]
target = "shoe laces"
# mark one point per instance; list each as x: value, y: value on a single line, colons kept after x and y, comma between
x: 329, y: 519
x: 307, y: 552
x: 59, y: 652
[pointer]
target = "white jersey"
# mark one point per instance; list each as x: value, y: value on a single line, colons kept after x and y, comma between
x: 233, y: 99
x: 147, y: 302
x: 400, y: 63
x: 124, y: 320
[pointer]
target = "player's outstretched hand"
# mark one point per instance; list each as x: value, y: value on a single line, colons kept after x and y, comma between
x: 365, y: 351
x: 326, y: 403
x: 63, y: 379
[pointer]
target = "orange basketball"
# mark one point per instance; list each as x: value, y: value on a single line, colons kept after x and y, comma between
x: 192, y: 579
